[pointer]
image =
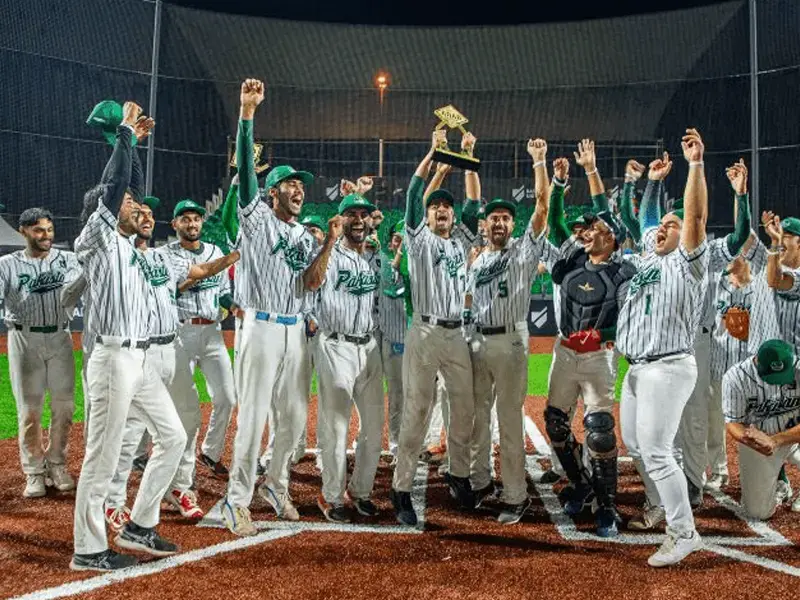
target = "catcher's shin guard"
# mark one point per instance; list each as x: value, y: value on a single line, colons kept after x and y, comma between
x: 602, y: 443
x: 567, y: 449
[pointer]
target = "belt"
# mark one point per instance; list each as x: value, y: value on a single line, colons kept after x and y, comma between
x: 447, y: 324
x: 45, y: 329
x: 279, y: 319
x: 353, y: 339
x: 651, y: 359
x: 493, y: 330
x: 198, y: 321
x: 162, y: 340
x: 127, y: 343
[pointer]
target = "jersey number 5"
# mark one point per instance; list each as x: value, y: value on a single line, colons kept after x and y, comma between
x: 502, y: 286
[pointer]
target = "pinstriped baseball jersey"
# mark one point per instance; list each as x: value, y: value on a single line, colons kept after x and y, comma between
x: 115, y: 271
x: 500, y: 281
x: 789, y: 310
x: 376, y: 259
x: 347, y: 295
x: 662, y: 310
x: 31, y: 287
x: 202, y: 299
x: 392, y: 318
x: 748, y: 399
x: 550, y: 256
x: 165, y: 270
x: 760, y: 303
x: 275, y: 254
x: 438, y: 271
x: 78, y: 291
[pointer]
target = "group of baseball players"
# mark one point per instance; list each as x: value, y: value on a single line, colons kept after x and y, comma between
x: 708, y: 327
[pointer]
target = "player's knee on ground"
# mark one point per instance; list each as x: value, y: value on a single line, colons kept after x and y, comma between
x: 557, y: 424
x: 600, y: 436
x: 758, y: 508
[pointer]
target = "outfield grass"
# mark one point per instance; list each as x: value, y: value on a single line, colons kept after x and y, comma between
x: 538, y: 367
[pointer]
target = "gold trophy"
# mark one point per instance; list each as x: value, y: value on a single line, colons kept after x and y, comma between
x: 257, y: 150
x: 452, y: 119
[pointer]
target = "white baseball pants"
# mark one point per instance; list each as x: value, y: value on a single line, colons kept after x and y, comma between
x: 348, y: 374
x: 694, y: 428
x: 38, y: 362
x: 653, y: 397
x: 715, y: 440
x: 430, y: 348
x: 588, y: 375
x: 440, y: 415
x: 270, y: 368
x: 392, y: 361
x: 758, y: 475
x: 500, y: 362
x: 123, y: 382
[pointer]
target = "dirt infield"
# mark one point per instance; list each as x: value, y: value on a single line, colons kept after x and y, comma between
x: 456, y: 556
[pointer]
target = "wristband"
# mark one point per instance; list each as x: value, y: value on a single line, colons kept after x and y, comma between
x: 698, y: 163
x: 591, y: 172
x: 541, y: 163
x: 559, y: 182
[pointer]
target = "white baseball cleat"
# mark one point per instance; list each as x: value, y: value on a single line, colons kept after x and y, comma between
x: 650, y: 518
x: 34, y: 487
x: 783, y: 493
x: 58, y: 478
x: 675, y: 549
x: 237, y: 519
x: 282, y: 503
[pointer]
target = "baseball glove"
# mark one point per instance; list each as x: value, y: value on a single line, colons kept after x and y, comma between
x: 737, y: 322
x: 759, y: 441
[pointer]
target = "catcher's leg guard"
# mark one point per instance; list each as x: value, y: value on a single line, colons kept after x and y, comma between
x: 568, y: 450
x: 602, y: 443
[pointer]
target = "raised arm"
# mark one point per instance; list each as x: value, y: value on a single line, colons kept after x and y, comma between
x: 650, y: 209
x: 230, y: 216
x: 314, y: 275
x: 205, y: 270
x: 537, y: 149
x: 117, y: 175
x: 556, y: 221
x: 415, y: 199
x: 737, y: 175
x: 586, y: 157
x: 777, y: 278
x: 633, y: 172
x: 439, y: 175
x: 252, y: 94
x: 695, y: 196
x: 144, y: 125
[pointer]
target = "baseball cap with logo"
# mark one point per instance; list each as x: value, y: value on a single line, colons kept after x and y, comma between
x: 355, y: 201
x: 775, y: 362
x: 187, y: 206
x: 437, y: 195
x: 791, y: 225
x: 152, y: 202
x: 284, y: 172
x: 677, y: 209
x: 107, y: 116
x: 313, y: 221
x: 610, y: 221
x: 499, y: 203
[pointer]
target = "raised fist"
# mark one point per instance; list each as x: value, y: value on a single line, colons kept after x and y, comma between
x: 252, y: 93
x: 633, y: 170
x: 335, y: 227
x: 537, y: 149
x: 660, y: 168
x: 443, y: 168
x: 774, y: 229
x: 346, y: 187
x: 468, y: 142
x: 438, y: 139
x: 561, y: 168
x: 692, y: 145
x: 130, y: 113
x: 377, y: 218
x: 143, y: 127
x: 363, y: 185
x: 737, y: 175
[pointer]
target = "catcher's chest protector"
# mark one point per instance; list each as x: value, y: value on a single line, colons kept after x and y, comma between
x: 589, y: 292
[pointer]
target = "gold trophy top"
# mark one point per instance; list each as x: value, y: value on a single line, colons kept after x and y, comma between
x: 451, y: 118
x: 257, y: 150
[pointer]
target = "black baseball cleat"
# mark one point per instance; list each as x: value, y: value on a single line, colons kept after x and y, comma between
x: 404, y: 511
x: 140, y: 463
x: 107, y: 560
x: 461, y: 491
x: 487, y: 493
x: 364, y: 506
x: 513, y: 513
x: 580, y: 498
x: 695, y: 494
x: 217, y: 469
x: 335, y: 513
x: 144, y: 539
x: 550, y: 476
x: 607, y: 522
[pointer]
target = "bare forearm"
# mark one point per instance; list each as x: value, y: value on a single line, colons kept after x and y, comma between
x: 541, y: 185
x: 315, y: 273
x: 472, y: 185
x: 788, y: 437
x: 205, y: 270
x: 596, y: 186
x: 695, y: 208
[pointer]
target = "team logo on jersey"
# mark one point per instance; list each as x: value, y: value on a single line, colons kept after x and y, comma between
x: 772, y: 407
x: 357, y: 283
x: 488, y: 274
x: 643, y: 279
x: 206, y: 284
x: 41, y: 283
x: 452, y: 264
x: 296, y: 257
x: 157, y: 275
x: 586, y: 287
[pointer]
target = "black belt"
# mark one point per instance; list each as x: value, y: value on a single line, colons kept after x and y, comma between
x: 651, y: 359
x: 441, y: 322
x: 162, y: 340
x: 353, y: 339
x: 493, y: 330
x: 45, y: 329
x: 128, y: 343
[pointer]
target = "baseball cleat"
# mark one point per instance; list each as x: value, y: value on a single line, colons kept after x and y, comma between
x: 282, y: 503
x: 580, y: 498
x: 261, y: 469
x: 650, y: 518
x: 237, y: 519
x: 716, y: 482
x: 140, y: 463
x: 513, y: 513
x: 695, y: 494
x: 675, y: 549
x: 58, y: 478
x: 783, y: 493
x: 34, y: 487
x: 107, y: 560
x: 335, y: 513
x: 118, y: 517
x: 550, y: 476
x: 144, y: 539
x: 364, y: 506
x: 186, y: 503
x: 404, y: 510
x: 217, y: 469
x: 607, y: 523
x: 486, y: 493
x: 461, y: 491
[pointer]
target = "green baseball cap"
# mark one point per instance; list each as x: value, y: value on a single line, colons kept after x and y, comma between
x: 775, y: 362
x: 313, y: 221
x: 498, y: 203
x: 107, y: 116
x: 355, y: 201
x: 152, y: 202
x: 187, y: 206
x: 677, y: 208
x: 791, y: 225
x: 284, y: 172
x: 440, y: 195
x: 576, y: 222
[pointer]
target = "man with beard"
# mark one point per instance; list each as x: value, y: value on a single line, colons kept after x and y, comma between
x: 272, y: 359
x: 499, y: 285
x: 348, y: 359
x: 40, y: 350
x: 437, y: 265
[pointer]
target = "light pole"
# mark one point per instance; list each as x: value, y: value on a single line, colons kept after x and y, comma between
x: 382, y: 80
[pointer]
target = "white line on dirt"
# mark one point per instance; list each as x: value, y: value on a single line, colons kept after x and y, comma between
x: 761, y: 561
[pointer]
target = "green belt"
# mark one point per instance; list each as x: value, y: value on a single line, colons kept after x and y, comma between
x: 47, y: 329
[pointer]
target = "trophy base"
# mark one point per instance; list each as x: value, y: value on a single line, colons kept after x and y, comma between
x: 458, y: 160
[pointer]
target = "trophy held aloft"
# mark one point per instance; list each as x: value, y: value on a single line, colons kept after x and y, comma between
x: 452, y: 119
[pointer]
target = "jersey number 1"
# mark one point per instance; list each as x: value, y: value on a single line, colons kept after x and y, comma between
x: 647, y: 302
x: 502, y: 286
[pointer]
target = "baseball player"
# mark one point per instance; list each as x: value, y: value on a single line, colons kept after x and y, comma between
x: 655, y: 332
x: 437, y: 265
x: 348, y: 360
x: 592, y: 285
x: 783, y: 273
x: 122, y: 379
x: 272, y: 362
x: 500, y: 280
x: 762, y: 410
x: 40, y: 350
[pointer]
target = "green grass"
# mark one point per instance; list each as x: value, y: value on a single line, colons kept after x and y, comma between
x: 538, y: 368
